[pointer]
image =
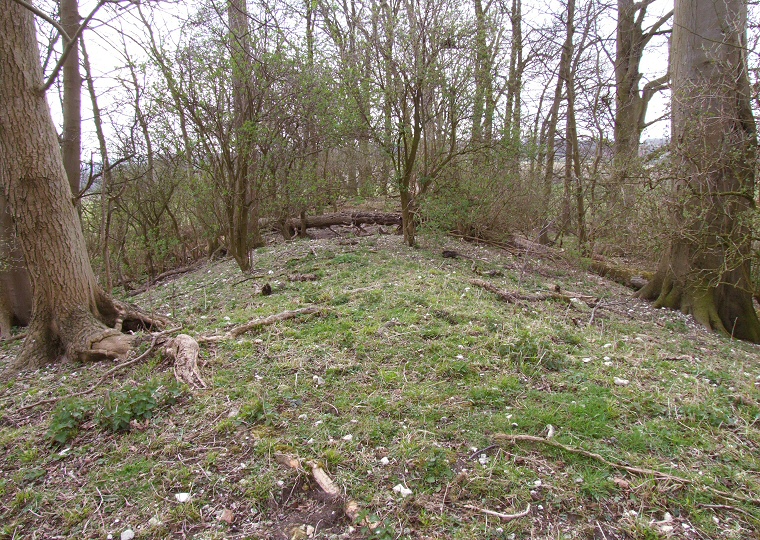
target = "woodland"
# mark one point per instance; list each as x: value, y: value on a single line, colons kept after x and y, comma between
x: 379, y: 269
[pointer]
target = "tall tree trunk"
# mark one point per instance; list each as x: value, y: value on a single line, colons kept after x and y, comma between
x: 482, y: 72
x: 71, y: 146
x: 513, y: 113
x: 706, y: 269
x: 105, y: 177
x: 565, y: 62
x: 68, y: 310
x: 239, y: 212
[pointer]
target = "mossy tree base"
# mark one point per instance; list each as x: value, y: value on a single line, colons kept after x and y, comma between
x: 726, y: 308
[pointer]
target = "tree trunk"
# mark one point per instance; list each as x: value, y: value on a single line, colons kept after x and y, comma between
x: 240, y: 195
x: 564, y: 71
x: 705, y: 271
x: 631, y: 102
x: 105, y: 177
x: 68, y: 308
x: 15, y: 287
x: 71, y: 146
x: 513, y: 112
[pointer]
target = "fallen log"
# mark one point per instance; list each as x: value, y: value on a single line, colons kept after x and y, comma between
x: 630, y: 277
x: 349, y: 219
x: 169, y: 273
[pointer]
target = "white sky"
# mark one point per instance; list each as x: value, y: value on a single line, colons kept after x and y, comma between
x: 105, y: 46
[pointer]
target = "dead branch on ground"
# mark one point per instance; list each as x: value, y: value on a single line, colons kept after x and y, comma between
x: 501, y: 516
x: 258, y: 323
x: 516, y: 297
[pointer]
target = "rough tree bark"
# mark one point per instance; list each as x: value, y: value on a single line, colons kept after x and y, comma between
x: 243, y: 210
x: 70, y: 315
x: 71, y: 143
x: 705, y: 271
x: 15, y: 288
x: 631, y: 101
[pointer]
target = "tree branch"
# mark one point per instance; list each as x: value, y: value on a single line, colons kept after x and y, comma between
x: 45, y: 17
x: 70, y: 44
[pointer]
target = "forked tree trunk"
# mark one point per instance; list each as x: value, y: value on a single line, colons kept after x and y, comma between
x: 706, y: 270
x: 631, y: 102
x: 68, y: 308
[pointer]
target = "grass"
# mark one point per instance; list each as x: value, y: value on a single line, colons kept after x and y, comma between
x: 408, y: 362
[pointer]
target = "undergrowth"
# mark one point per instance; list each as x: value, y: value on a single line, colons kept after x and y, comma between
x: 405, y: 379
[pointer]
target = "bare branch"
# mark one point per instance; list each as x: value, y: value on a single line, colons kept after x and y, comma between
x: 70, y: 44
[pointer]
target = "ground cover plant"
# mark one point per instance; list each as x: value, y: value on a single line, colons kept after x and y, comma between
x: 431, y: 403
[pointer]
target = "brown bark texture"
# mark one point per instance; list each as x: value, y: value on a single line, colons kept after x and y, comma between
x: 71, y: 144
x: 15, y: 287
x: 706, y: 269
x: 68, y: 308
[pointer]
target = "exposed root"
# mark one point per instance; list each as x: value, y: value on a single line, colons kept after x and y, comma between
x: 100, y: 381
x: 184, y: 351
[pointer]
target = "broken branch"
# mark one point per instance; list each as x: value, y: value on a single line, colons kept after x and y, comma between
x: 513, y: 439
x: 501, y: 516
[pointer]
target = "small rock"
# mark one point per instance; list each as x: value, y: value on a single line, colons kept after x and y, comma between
x: 127, y: 534
x: 348, y: 437
x: 155, y: 522
x: 622, y: 382
x: 667, y: 528
x: 182, y: 497
x: 385, y: 461
x: 402, y: 490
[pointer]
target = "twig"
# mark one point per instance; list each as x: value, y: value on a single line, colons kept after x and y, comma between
x: 729, y: 508
x: 107, y: 374
x: 633, y: 470
x: 249, y: 278
x: 503, y: 517
x: 579, y: 451
x: 483, y: 451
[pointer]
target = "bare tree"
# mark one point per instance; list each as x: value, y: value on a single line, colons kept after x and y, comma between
x: 71, y: 315
x: 706, y: 269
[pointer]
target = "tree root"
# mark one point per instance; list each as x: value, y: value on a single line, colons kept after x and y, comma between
x: 100, y: 381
